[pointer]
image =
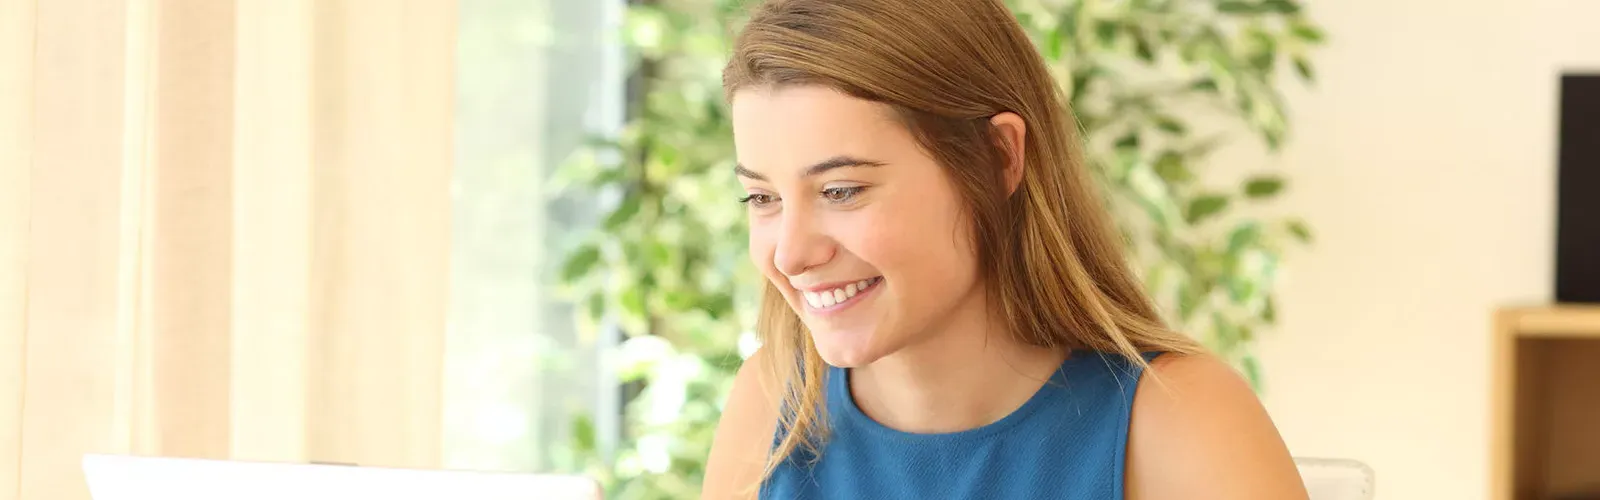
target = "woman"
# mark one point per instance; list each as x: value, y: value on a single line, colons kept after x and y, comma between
x: 948, y: 313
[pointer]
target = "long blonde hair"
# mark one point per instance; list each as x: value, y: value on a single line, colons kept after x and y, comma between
x: 1050, y: 258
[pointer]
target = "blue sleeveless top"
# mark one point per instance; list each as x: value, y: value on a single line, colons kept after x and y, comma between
x: 1068, y: 441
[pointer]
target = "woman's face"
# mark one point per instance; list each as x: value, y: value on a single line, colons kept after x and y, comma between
x: 852, y: 221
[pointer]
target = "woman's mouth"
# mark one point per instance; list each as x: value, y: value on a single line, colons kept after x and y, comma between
x: 841, y: 297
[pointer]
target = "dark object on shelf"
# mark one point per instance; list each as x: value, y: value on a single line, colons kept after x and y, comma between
x: 1578, y: 192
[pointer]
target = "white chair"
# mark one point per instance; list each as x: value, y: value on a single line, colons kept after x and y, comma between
x: 1336, y: 479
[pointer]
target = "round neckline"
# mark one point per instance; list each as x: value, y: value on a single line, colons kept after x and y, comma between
x: 859, y: 419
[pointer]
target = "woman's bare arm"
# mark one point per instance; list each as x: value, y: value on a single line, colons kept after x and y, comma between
x: 1199, y: 433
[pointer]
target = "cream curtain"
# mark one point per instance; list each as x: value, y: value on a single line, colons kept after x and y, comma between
x: 224, y: 230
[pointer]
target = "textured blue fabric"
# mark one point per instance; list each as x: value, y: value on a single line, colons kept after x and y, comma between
x: 1066, y: 442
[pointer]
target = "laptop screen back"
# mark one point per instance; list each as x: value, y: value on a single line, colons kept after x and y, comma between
x: 112, y: 477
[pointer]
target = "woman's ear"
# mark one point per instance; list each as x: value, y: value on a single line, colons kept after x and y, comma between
x: 1012, y: 133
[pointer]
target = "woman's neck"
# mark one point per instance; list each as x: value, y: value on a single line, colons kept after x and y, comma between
x: 971, y: 374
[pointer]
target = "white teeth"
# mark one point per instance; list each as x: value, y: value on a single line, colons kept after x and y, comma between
x: 829, y: 298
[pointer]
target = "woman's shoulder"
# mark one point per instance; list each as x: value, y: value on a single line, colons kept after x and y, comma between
x: 1191, y: 383
x: 1197, y: 429
x: 744, y: 433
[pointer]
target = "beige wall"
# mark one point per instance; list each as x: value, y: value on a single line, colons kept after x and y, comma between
x: 1425, y: 162
x: 16, y: 152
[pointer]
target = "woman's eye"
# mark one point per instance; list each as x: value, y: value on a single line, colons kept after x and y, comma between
x: 757, y: 200
x: 842, y: 194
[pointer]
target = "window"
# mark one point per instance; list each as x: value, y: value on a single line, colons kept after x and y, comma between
x: 534, y: 77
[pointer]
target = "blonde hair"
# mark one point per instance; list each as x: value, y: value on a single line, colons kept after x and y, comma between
x: 1050, y: 258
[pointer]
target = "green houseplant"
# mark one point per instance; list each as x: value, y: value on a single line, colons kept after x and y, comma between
x: 1157, y: 85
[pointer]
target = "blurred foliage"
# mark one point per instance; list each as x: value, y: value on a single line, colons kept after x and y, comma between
x: 1157, y: 85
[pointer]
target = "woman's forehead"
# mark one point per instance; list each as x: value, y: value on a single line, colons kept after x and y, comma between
x: 793, y: 128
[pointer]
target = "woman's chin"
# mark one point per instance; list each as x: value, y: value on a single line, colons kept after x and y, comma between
x: 845, y: 349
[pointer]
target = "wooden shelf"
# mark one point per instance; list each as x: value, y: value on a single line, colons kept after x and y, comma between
x: 1544, y: 441
x: 1561, y: 321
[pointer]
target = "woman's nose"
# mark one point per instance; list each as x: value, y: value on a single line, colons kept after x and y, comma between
x: 801, y: 246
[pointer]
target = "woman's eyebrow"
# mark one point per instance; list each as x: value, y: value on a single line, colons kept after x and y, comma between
x: 840, y: 161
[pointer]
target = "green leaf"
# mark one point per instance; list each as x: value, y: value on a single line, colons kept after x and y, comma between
x: 1024, y: 18
x: 1265, y: 186
x: 1225, y: 333
x: 1170, y: 167
x: 1243, y: 236
x: 1240, y: 290
x: 1080, y: 83
x: 1129, y: 141
x: 1188, y: 300
x: 659, y: 254
x: 1054, y: 43
x: 1237, y: 7
x: 1269, y: 311
x: 608, y: 175
x: 1300, y: 231
x: 1307, y: 32
x: 624, y: 212
x: 600, y: 142
x: 1155, y: 279
x: 1262, y: 61
x: 678, y: 299
x: 1105, y: 32
x: 1265, y: 52
x: 719, y: 305
x: 1170, y: 125
x: 1204, y: 207
x: 1143, y: 48
x: 1273, y: 136
x: 1303, y: 68
x: 1281, y: 7
x: 1204, y: 85
x: 632, y: 301
x: 579, y: 263
x: 1068, y: 24
x: 583, y: 434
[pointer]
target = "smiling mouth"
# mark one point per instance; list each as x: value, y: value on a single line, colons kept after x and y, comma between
x: 841, y: 297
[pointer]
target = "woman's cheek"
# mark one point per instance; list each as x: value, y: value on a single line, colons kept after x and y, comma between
x: 763, y: 246
x: 871, y: 234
